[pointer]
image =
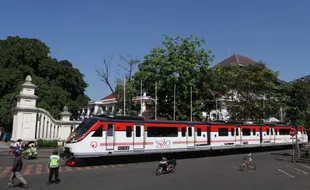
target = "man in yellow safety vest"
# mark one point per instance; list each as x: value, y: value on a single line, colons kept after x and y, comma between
x: 54, y: 167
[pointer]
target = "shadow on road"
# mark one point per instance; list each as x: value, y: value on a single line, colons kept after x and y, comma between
x: 112, y: 160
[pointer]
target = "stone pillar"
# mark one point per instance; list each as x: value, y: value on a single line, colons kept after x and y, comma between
x: 65, y: 117
x: 25, y: 113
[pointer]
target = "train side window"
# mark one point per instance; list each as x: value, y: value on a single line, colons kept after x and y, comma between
x: 128, y: 131
x: 254, y: 132
x: 98, y: 132
x: 232, y: 130
x: 267, y: 131
x: 237, y: 131
x: 190, y: 132
x: 183, y: 131
x: 110, y: 130
x: 138, y: 131
x: 199, y: 132
x: 271, y: 131
x: 223, y: 132
x: 246, y: 132
x: 284, y: 131
x: 153, y: 131
x: 276, y: 131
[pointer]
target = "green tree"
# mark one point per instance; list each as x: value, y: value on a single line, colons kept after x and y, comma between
x: 251, y: 91
x: 59, y: 84
x: 182, y: 62
x: 298, y: 105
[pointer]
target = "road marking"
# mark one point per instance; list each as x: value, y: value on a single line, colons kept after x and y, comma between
x: 286, y: 173
x: 298, y: 170
x: 6, y: 171
x: 304, y: 166
x: 39, y: 169
x: 28, y: 170
x: 69, y: 169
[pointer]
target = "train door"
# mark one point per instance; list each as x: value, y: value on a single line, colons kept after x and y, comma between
x: 138, y: 138
x: 261, y: 134
x: 238, y: 136
x: 272, y: 135
x: 110, y: 137
x: 190, y: 136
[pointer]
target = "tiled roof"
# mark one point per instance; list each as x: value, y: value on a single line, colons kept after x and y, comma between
x: 110, y: 96
x: 236, y: 60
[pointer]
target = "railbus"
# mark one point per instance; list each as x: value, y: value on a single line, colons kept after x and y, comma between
x: 124, y: 135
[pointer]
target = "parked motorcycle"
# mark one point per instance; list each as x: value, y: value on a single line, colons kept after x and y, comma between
x: 166, y: 166
x: 30, y: 151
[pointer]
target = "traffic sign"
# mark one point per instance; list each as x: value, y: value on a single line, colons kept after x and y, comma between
x: 292, y: 132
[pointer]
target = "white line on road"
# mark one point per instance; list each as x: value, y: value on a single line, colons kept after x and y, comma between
x: 298, y: 170
x: 286, y: 173
x: 304, y: 166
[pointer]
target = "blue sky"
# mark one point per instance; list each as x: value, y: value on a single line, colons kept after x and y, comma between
x: 83, y: 32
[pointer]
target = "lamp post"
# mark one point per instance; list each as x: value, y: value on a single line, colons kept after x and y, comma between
x: 176, y: 75
x: 141, y: 99
x: 124, y: 95
x: 191, y: 103
x: 157, y: 71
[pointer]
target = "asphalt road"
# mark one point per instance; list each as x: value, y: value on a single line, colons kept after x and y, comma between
x: 274, y: 171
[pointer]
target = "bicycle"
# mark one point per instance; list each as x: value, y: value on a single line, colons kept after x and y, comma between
x: 248, y: 162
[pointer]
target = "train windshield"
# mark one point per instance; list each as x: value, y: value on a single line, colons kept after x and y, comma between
x: 81, y: 129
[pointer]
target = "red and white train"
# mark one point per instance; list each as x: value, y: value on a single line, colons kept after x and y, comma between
x: 121, y: 135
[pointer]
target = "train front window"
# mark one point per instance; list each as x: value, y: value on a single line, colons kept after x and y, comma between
x: 82, y: 129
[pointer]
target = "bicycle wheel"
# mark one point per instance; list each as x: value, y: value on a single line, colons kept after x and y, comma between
x: 252, y: 165
x: 243, y: 167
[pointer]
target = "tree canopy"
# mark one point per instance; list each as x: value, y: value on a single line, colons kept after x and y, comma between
x: 59, y: 83
x: 181, y: 62
x: 249, y: 91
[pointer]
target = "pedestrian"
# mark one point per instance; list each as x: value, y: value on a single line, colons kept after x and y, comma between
x: 16, y: 170
x: 54, y: 167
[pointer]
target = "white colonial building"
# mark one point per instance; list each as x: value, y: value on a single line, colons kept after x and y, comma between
x: 108, y: 104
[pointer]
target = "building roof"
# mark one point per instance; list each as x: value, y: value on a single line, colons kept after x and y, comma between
x: 110, y: 96
x: 236, y: 60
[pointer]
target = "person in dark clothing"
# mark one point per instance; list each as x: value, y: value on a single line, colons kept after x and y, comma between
x: 54, y: 167
x: 16, y: 170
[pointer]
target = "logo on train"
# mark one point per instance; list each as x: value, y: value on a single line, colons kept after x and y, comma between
x: 94, y: 144
x: 163, y: 143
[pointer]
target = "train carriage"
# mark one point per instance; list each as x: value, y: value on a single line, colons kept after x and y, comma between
x: 122, y: 135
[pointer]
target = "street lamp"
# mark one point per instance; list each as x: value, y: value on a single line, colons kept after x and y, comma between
x: 176, y: 75
x: 157, y: 71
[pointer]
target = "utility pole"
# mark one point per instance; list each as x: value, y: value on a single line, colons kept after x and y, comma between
x: 124, y: 95
x: 191, y: 103
x: 174, y: 87
x: 156, y: 100
x: 141, y: 97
